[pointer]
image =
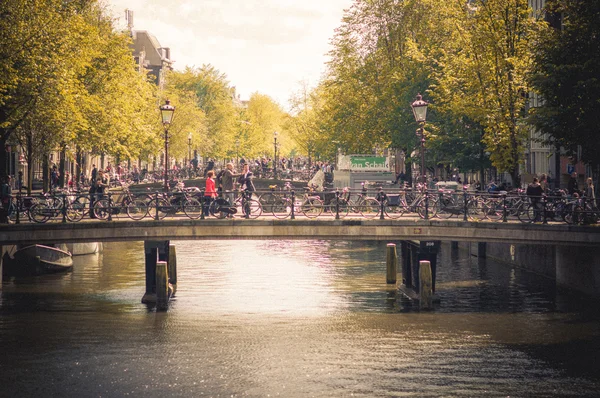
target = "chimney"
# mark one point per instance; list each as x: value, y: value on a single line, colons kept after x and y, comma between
x: 129, y: 19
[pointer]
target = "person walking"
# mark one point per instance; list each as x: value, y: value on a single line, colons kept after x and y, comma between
x: 572, y: 186
x: 227, y: 180
x: 210, y: 191
x: 245, y: 179
x: 54, y: 177
x: 590, y: 192
x: 5, y: 199
x: 94, y: 175
x: 535, y: 193
x: 209, y: 166
x: 544, y: 182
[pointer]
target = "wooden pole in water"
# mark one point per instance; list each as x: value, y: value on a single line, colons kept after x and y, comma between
x: 162, y: 285
x: 172, y: 268
x: 425, y: 281
x: 392, y: 263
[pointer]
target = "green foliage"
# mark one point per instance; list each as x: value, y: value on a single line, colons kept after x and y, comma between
x: 67, y: 79
x: 567, y: 77
x: 483, y: 75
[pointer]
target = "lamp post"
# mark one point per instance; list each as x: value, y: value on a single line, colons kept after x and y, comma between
x: 167, y: 111
x: 189, y: 148
x: 419, y: 108
x: 237, y: 154
x: 275, y: 134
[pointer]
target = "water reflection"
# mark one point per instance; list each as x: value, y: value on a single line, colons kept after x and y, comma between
x: 294, y: 319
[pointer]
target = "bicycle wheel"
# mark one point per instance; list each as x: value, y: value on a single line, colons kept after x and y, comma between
x: 192, y: 208
x: 575, y: 215
x: 282, y: 208
x: 447, y: 207
x: 102, y: 209
x: 12, y: 212
x: 432, y: 207
x: 494, y: 209
x: 312, y: 207
x: 160, y: 207
x: 527, y: 214
x: 252, y: 208
x: 39, y: 212
x: 393, y: 211
x: 338, y: 206
x: 267, y: 201
x: 476, y: 210
x: 370, y: 208
x: 75, y: 211
x: 137, y: 208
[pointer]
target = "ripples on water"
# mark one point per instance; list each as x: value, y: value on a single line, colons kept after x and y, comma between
x: 293, y: 319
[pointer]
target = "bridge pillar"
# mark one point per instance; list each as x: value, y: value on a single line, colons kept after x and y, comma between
x: 414, y: 253
x: 481, y: 249
x: 154, y: 251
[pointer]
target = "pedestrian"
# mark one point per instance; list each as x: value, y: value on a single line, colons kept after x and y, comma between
x: 209, y: 166
x: 101, y: 185
x: 227, y: 180
x: 5, y: 198
x: 589, y: 192
x: 544, y: 182
x: 535, y: 193
x: 245, y: 180
x: 54, y: 178
x: 94, y: 174
x: 210, y: 191
x: 572, y: 186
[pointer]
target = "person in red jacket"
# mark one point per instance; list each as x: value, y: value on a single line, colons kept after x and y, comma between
x: 210, y: 191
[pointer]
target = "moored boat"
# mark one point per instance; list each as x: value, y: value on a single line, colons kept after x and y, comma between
x: 37, y: 260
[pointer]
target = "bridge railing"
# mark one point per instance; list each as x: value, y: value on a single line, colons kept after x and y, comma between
x: 289, y: 202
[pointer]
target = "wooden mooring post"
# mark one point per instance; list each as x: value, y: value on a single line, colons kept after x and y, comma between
x: 426, y: 285
x: 156, y: 254
x: 392, y: 264
x: 172, y: 269
x: 162, y: 285
x: 419, y: 266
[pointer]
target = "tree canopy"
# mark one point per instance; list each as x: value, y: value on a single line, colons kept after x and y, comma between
x: 567, y: 78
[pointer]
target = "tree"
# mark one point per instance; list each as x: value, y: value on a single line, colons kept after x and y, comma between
x: 36, y: 38
x: 484, y: 74
x: 216, y: 99
x: 567, y: 77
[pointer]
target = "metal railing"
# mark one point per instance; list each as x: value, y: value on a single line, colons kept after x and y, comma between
x: 293, y: 203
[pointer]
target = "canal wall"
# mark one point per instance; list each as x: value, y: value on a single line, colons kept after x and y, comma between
x: 572, y: 267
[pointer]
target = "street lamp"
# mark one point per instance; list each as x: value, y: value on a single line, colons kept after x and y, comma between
x: 419, y: 108
x: 189, y: 148
x: 275, y: 134
x: 237, y: 152
x: 166, y: 112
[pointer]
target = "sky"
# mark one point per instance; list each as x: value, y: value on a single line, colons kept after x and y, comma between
x: 265, y: 46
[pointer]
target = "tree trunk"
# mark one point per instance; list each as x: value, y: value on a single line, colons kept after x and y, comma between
x: 45, y: 173
x: 3, y: 153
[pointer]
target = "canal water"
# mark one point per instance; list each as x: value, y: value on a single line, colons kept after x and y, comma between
x: 293, y: 319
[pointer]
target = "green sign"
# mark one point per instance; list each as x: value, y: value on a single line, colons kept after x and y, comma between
x: 369, y: 163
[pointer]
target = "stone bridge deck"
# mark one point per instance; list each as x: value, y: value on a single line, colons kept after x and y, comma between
x: 351, y: 229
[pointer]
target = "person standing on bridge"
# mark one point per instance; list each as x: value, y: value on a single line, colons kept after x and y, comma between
x: 210, y: 191
x: 227, y: 180
x: 535, y: 193
x: 245, y: 179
